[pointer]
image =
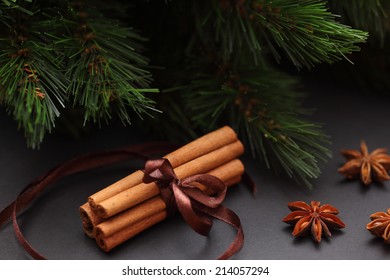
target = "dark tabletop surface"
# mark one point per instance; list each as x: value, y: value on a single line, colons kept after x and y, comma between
x: 53, y: 227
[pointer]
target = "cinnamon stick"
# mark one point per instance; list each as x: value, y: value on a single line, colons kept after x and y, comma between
x: 230, y: 173
x: 137, y: 194
x: 108, y: 243
x: 130, y: 216
x: 89, y: 219
x: 205, y: 144
x: 124, y: 226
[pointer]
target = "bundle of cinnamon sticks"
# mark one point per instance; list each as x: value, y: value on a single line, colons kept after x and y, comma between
x: 129, y: 206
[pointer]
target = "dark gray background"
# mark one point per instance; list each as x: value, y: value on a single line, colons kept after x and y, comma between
x: 53, y: 227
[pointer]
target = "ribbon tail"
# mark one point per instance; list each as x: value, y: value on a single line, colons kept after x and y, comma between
x: 197, y: 221
x: 19, y: 235
x: 229, y: 217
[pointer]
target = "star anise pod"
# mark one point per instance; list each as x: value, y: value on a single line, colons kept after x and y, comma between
x: 370, y: 166
x: 380, y: 225
x: 314, y: 217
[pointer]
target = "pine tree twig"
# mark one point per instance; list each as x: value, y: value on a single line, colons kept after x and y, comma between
x: 32, y: 85
x: 264, y: 108
x: 31, y: 88
x: 106, y: 69
x: 304, y: 30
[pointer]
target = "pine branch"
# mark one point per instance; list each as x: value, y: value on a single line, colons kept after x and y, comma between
x: 31, y: 87
x: 264, y: 107
x: 105, y: 68
x: 55, y: 53
x: 31, y: 84
x: 304, y: 30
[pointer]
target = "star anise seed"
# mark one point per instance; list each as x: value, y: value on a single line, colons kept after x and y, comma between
x: 315, y: 217
x: 380, y: 225
x: 370, y: 166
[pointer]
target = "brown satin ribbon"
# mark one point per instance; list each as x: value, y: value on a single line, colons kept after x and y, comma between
x: 195, y: 206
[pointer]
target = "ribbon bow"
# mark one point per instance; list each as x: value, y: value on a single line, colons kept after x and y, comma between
x: 196, y: 206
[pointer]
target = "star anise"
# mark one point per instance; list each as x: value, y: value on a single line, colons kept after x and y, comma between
x: 373, y: 166
x: 380, y: 225
x: 314, y: 217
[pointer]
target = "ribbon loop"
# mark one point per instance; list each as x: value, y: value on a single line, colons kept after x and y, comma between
x: 196, y: 206
x: 214, y: 185
x: 158, y: 170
